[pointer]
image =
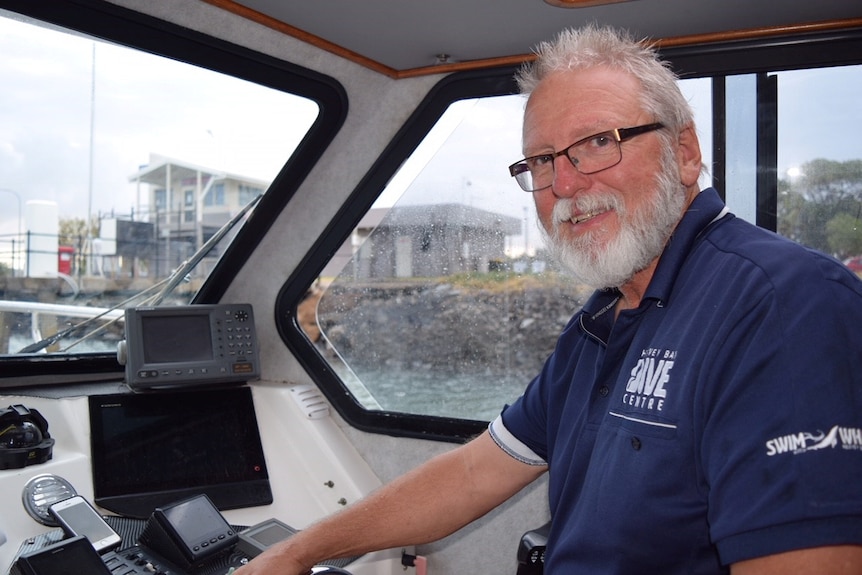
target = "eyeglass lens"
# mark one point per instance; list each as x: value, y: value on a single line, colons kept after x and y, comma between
x: 590, y: 155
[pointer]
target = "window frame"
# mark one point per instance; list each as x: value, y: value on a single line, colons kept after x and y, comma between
x: 778, y: 53
x: 146, y: 33
x: 770, y: 54
x: 490, y: 82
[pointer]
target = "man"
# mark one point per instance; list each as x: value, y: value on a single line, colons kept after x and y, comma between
x: 701, y: 413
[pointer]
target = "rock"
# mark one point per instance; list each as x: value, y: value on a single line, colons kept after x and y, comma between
x: 494, y: 331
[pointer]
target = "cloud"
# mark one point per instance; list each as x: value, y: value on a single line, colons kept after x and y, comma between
x: 57, y: 86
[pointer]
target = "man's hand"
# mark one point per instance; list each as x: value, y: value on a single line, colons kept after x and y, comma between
x: 275, y: 560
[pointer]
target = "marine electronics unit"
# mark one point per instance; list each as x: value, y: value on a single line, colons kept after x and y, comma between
x: 152, y: 449
x: 177, y: 346
x: 188, y: 532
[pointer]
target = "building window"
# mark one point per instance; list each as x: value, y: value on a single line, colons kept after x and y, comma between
x: 215, y: 197
x: 248, y: 193
x: 161, y: 199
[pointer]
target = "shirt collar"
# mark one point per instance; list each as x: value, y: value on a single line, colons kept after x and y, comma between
x: 706, y: 208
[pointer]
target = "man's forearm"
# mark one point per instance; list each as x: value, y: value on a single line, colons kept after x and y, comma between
x: 426, y: 504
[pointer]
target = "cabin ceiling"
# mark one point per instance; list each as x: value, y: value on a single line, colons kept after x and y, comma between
x: 399, y: 36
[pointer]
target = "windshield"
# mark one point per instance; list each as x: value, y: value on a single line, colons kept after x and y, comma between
x: 123, y: 178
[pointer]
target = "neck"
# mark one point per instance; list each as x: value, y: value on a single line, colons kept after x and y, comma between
x: 633, y: 290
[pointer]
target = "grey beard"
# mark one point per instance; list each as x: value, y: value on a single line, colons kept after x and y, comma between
x: 641, y: 239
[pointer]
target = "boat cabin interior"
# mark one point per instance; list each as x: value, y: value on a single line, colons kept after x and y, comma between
x: 258, y: 258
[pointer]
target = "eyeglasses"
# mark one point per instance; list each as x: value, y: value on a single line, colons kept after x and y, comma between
x: 590, y: 155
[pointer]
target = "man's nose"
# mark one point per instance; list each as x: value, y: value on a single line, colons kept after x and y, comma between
x: 568, y: 180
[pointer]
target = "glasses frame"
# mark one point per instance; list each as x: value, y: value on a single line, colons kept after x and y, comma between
x: 619, y: 135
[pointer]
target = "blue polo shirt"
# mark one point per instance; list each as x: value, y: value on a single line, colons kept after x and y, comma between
x: 720, y: 420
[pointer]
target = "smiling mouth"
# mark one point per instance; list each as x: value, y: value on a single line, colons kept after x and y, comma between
x: 584, y: 217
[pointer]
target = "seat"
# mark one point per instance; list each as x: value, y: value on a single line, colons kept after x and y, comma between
x: 531, y: 551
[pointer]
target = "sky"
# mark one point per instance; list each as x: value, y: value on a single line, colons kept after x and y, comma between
x: 137, y: 105
x: 57, y: 87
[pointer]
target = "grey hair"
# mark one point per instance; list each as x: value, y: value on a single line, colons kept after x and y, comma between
x: 600, y: 46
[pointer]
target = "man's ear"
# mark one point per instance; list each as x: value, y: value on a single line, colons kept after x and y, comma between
x: 688, y: 156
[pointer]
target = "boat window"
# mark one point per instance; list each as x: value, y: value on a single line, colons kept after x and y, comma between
x: 120, y: 170
x: 442, y: 302
x: 789, y: 135
x: 819, y: 164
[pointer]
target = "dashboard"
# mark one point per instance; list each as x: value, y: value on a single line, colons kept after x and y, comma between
x: 312, y: 475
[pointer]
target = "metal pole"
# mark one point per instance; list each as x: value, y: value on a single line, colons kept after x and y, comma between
x: 88, y: 225
x: 27, y: 270
x: 15, y: 259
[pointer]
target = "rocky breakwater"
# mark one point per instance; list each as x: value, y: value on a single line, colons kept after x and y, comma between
x: 508, y: 328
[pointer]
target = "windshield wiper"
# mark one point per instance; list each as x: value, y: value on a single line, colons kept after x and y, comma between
x: 164, y: 287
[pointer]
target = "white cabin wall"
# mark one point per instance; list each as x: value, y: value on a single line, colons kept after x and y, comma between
x: 377, y: 107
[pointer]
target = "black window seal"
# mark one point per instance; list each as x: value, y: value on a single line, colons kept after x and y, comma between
x: 808, y: 50
x: 792, y: 51
x: 464, y: 85
x: 143, y: 32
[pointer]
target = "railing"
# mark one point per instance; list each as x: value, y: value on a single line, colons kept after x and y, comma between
x: 32, y: 254
x: 38, y: 310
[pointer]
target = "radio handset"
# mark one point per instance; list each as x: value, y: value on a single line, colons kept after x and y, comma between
x: 188, y: 533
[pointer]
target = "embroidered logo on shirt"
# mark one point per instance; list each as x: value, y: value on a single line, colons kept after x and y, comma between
x: 648, y: 378
x: 796, y: 443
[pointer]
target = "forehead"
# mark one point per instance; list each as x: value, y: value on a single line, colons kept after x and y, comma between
x: 574, y: 103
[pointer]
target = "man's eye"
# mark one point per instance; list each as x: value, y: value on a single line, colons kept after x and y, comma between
x: 600, y: 141
x: 539, y: 161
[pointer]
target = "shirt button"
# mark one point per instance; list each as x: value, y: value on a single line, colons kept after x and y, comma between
x: 636, y: 444
x: 604, y: 391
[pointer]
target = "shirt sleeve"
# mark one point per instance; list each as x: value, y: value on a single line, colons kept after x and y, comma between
x: 514, y: 447
x: 526, y: 428
x: 781, y: 446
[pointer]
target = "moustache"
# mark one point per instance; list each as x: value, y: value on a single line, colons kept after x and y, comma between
x: 580, y: 209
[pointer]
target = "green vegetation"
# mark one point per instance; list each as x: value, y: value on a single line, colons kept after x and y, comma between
x: 822, y: 207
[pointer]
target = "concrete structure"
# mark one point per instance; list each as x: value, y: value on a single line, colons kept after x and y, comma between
x: 424, y: 241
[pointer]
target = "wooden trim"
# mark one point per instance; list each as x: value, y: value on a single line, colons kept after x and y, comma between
x: 581, y: 3
x: 287, y: 29
x: 688, y: 40
x: 751, y: 33
x: 461, y: 66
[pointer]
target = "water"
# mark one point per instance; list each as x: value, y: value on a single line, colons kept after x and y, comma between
x: 478, y: 396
